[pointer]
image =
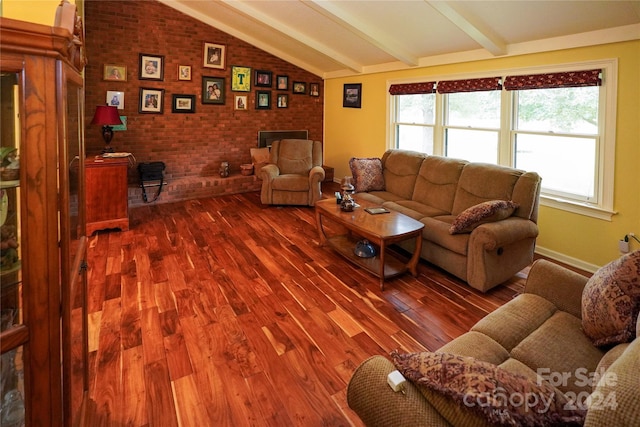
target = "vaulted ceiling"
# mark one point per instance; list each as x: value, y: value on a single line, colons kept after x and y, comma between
x: 334, y: 38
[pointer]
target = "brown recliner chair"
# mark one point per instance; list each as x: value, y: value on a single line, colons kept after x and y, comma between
x: 294, y: 173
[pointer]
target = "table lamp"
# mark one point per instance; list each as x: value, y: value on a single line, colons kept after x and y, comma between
x: 106, y: 116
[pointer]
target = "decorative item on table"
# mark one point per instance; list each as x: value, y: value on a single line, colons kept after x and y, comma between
x: 346, y: 185
x: 338, y: 197
x: 246, y: 169
x: 9, y: 164
x: 364, y: 249
x: 107, y: 116
x: 347, y: 204
x: 224, y: 169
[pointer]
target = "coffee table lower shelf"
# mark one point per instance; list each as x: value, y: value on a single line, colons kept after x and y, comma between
x: 345, y: 245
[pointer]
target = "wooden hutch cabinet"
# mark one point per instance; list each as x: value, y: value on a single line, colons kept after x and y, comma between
x: 43, y: 337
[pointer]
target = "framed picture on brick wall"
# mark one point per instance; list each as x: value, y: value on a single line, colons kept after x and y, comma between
x: 282, y: 100
x: 299, y: 88
x: 183, y: 104
x: 214, y: 55
x: 184, y: 72
x: 263, y: 99
x: 213, y: 90
x: 151, y: 100
x: 263, y: 78
x: 240, y: 102
x: 282, y: 82
x: 151, y: 67
x: 114, y: 73
x: 314, y: 89
x: 240, y: 79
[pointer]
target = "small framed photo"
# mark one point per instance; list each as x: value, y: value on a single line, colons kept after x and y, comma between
x: 151, y: 67
x: 184, y: 72
x: 183, y: 104
x: 115, y: 99
x: 352, y: 96
x: 282, y: 100
x: 263, y: 78
x: 214, y: 55
x: 282, y: 82
x: 314, y: 89
x: 213, y: 90
x: 240, y: 102
x: 299, y: 88
x: 263, y: 99
x: 240, y: 79
x: 114, y: 73
x: 151, y: 100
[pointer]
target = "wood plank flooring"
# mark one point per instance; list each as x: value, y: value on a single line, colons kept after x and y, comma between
x: 225, y: 312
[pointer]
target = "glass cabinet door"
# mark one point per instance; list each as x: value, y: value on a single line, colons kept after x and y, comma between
x: 73, y: 243
x: 13, y: 334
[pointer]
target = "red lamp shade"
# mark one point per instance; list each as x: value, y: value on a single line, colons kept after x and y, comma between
x: 106, y: 116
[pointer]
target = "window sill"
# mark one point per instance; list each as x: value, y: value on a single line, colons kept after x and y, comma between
x: 577, y: 208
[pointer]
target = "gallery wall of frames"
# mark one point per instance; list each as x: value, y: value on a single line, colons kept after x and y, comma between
x: 189, y: 94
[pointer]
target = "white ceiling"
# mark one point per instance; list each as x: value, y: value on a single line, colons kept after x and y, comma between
x: 334, y: 38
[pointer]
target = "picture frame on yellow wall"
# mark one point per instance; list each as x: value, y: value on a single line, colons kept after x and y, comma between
x: 352, y: 95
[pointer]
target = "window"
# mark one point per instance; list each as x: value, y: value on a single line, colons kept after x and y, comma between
x: 558, y: 122
x: 415, y: 122
x: 553, y: 125
x: 472, y: 126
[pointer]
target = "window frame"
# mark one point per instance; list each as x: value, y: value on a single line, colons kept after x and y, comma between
x: 605, y: 169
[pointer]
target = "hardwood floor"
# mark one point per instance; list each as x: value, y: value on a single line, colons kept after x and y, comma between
x: 225, y: 312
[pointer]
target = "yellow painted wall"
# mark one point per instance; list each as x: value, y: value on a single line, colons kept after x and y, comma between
x: 38, y: 11
x: 580, y: 240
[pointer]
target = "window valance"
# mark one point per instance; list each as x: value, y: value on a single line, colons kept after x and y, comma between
x: 412, y: 88
x: 469, y: 85
x: 554, y: 80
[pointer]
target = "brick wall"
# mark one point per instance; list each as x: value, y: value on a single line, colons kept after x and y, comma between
x: 192, y: 145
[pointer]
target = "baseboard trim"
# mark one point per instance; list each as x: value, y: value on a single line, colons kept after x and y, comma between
x: 560, y: 257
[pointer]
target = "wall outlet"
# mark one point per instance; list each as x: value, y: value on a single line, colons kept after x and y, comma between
x: 623, y: 246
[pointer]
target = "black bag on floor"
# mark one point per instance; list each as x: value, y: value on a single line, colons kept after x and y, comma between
x: 151, y: 175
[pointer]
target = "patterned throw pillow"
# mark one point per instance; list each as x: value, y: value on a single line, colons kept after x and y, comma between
x: 498, y: 395
x: 493, y: 210
x: 367, y: 174
x: 611, y: 301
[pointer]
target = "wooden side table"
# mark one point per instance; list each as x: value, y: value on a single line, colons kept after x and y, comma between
x: 107, y: 194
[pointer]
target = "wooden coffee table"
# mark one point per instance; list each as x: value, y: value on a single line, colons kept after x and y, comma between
x: 381, y: 230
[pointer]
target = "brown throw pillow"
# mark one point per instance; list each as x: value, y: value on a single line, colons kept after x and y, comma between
x: 611, y: 301
x: 491, y: 211
x: 498, y: 395
x: 367, y: 174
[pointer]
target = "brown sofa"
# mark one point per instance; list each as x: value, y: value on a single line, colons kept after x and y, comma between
x: 539, y: 332
x: 434, y: 190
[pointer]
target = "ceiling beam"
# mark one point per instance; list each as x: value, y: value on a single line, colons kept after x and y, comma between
x: 225, y: 27
x: 365, y: 31
x: 478, y: 32
x: 282, y: 27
